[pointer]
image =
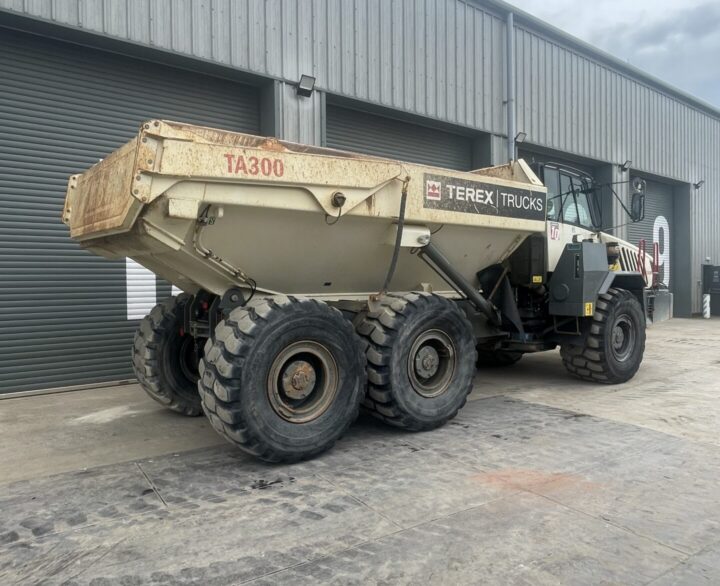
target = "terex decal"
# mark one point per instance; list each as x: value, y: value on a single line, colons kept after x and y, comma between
x: 475, y: 197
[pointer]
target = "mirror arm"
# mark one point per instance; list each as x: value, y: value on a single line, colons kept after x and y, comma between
x: 627, y: 211
x: 620, y: 201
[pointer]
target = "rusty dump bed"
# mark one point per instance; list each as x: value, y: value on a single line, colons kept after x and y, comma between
x: 211, y: 209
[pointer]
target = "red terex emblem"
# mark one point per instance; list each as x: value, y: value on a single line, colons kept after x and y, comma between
x: 433, y: 190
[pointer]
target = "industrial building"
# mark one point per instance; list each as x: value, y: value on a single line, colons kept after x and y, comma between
x: 454, y: 83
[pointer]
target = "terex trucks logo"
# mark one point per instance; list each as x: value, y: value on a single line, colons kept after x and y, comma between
x: 433, y: 190
x: 474, y: 197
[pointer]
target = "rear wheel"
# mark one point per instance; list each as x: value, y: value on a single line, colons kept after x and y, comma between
x: 165, y: 360
x: 614, y: 346
x: 284, y: 377
x: 497, y: 358
x: 421, y: 360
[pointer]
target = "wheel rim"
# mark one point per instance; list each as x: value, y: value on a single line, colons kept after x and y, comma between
x: 302, y: 382
x: 189, y: 358
x: 622, y: 341
x: 431, y: 363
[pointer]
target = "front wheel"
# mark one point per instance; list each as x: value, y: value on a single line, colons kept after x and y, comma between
x: 614, y: 346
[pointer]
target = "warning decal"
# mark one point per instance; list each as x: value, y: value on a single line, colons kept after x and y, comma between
x: 475, y: 197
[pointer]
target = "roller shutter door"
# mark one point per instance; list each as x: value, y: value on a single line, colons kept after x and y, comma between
x: 63, y: 312
x: 354, y: 130
x: 533, y: 157
x: 657, y: 226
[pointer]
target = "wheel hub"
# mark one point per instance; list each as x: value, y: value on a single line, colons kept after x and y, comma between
x: 298, y: 379
x: 431, y: 363
x: 303, y: 381
x: 618, y: 337
x: 427, y: 361
x: 622, y: 338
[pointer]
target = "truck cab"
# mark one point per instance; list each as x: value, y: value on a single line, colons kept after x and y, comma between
x: 575, y: 214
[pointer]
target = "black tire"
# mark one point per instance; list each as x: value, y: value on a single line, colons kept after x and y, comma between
x: 166, y: 362
x: 403, y: 390
x: 608, y: 356
x: 497, y: 358
x: 248, y: 377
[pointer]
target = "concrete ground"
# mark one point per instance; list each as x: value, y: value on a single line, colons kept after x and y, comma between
x: 540, y: 480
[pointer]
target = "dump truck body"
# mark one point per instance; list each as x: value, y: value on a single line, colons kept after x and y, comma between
x: 266, y: 212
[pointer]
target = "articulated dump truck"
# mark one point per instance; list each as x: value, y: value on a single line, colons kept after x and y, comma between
x: 318, y: 281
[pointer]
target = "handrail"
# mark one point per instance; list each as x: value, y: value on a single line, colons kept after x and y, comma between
x: 655, y: 263
x: 642, y: 251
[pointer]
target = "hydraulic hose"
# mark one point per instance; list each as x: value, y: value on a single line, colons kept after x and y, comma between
x: 398, y: 237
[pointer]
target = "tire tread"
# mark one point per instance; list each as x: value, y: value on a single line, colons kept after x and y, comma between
x: 589, y: 362
x: 153, y: 327
x: 380, y: 329
x: 224, y: 361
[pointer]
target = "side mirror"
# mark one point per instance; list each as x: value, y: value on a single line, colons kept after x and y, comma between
x: 637, y: 207
x: 638, y: 185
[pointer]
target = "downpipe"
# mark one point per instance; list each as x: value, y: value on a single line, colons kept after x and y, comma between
x: 510, y: 84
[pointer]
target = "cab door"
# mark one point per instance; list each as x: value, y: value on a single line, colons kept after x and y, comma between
x: 570, y: 215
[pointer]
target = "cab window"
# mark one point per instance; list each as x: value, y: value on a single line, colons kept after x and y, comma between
x: 552, y: 182
x: 576, y: 208
x: 580, y: 212
x: 567, y: 211
x: 566, y: 201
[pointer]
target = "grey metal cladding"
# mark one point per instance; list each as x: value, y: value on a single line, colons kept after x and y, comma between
x: 63, y: 317
x: 438, y: 58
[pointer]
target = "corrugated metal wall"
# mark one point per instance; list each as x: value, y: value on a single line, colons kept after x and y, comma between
x: 300, y: 118
x: 439, y: 58
x: 64, y: 313
x: 571, y: 102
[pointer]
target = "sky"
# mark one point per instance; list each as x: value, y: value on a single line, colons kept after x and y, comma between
x: 677, y: 41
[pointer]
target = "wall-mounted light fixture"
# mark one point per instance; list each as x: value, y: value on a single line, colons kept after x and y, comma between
x: 625, y: 167
x: 519, y: 139
x: 305, y: 86
x: 699, y: 184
